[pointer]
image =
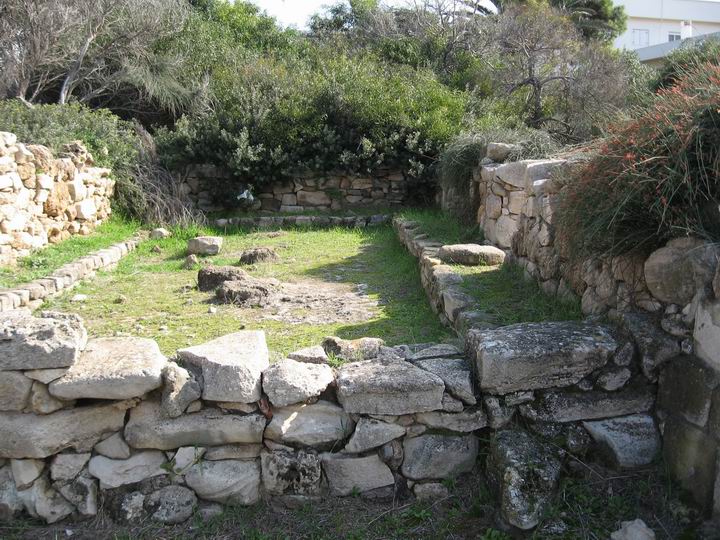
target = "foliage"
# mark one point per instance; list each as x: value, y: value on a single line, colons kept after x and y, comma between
x: 94, y: 51
x: 321, y: 112
x: 565, y: 84
x: 688, y: 55
x: 653, y: 178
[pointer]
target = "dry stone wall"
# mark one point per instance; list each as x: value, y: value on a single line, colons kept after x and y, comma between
x: 112, y: 423
x: 669, y: 302
x: 46, y: 199
x: 384, y: 188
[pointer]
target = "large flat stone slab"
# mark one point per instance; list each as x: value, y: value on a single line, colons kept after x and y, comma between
x: 373, y: 387
x: 28, y: 342
x: 231, y: 366
x: 236, y: 483
x: 532, y: 356
x: 39, y: 436
x: 573, y: 406
x: 370, y: 433
x: 438, y: 456
x: 112, y: 368
x: 471, y: 254
x: 321, y: 424
x: 149, y: 428
x: 627, y: 442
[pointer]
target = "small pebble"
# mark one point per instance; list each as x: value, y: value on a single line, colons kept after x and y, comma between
x: 212, y: 309
x: 79, y: 298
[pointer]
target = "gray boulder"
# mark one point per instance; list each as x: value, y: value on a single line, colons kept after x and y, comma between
x: 288, y: 382
x: 28, y: 342
x: 322, y: 424
x: 44, y: 502
x: 524, y: 474
x: 311, y: 355
x: 112, y: 368
x: 114, y: 473
x: 14, y: 391
x: 149, y: 428
x: 370, y: 433
x: 291, y: 472
x: 236, y: 483
x: 372, y: 387
x: 171, y: 504
x: 627, y: 442
x: 532, y: 356
x: 353, y: 350
x: 593, y: 405
x: 455, y: 373
x: 347, y: 475
x: 471, y: 255
x: 204, y: 245
x: 113, y: 447
x: 231, y: 366
x: 438, y: 456
x: 82, y: 492
x: 180, y: 389
x: 10, y: 502
x: 499, y: 152
x: 656, y: 346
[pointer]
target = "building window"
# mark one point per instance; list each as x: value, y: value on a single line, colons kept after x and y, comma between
x: 641, y: 38
x: 674, y: 36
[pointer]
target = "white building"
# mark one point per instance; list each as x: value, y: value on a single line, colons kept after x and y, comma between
x: 654, y: 22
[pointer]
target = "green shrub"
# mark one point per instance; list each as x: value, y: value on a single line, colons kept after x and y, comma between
x: 324, y: 111
x: 654, y: 178
x: 687, y: 56
x: 112, y: 142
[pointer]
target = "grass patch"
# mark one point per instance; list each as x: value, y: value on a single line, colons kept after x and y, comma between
x: 504, y: 293
x: 151, y: 295
x: 443, y: 227
x: 45, y: 261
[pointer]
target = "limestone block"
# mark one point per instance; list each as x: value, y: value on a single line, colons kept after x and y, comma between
x: 288, y: 382
x: 524, y: 474
x: 531, y: 356
x: 372, y: 387
x: 471, y: 254
x: 292, y: 472
x: 113, y: 368
x: 499, y: 152
x: 706, y: 335
x: 40, y: 436
x: 114, y: 473
x: 42, y: 501
x: 322, y: 424
x: 686, y: 388
x: 180, y: 389
x: 149, y: 428
x: 66, y: 467
x: 205, y: 245
x: 370, y: 433
x: 26, y: 471
x: 231, y: 366
x: 40, y: 343
x: 14, y: 390
x: 438, y: 456
x: 454, y: 372
x: 234, y: 483
x: 312, y: 355
x: 347, y: 475
x: 627, y: 442
x: 113, y: 447
x: 592, y: 405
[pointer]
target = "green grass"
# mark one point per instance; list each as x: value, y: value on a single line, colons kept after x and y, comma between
x: 151, y: 295
x: 443, y: 227
x: 504, y: 294
x: 45, y: 261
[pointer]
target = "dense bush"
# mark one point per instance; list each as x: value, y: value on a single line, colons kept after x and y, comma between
x: 653, y: 178
x: 323, y: 111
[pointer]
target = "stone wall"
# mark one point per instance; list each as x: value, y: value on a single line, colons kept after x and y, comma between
x: 154, y: 438
x: 385, y: 188
x: 46, y: 199
x: 670, y: 301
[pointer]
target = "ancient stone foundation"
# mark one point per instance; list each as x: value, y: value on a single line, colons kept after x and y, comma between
x: 46, y: 199
x: 112, y: 422
x: 306, y: 191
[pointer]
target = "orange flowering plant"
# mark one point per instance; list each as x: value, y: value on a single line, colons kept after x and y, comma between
x: 653, y: 178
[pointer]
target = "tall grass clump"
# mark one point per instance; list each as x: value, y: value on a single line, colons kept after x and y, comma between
x: 653, y: 178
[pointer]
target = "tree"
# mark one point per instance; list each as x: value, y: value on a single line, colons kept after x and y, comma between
x: 88, y: 50
x: 596, y: 19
